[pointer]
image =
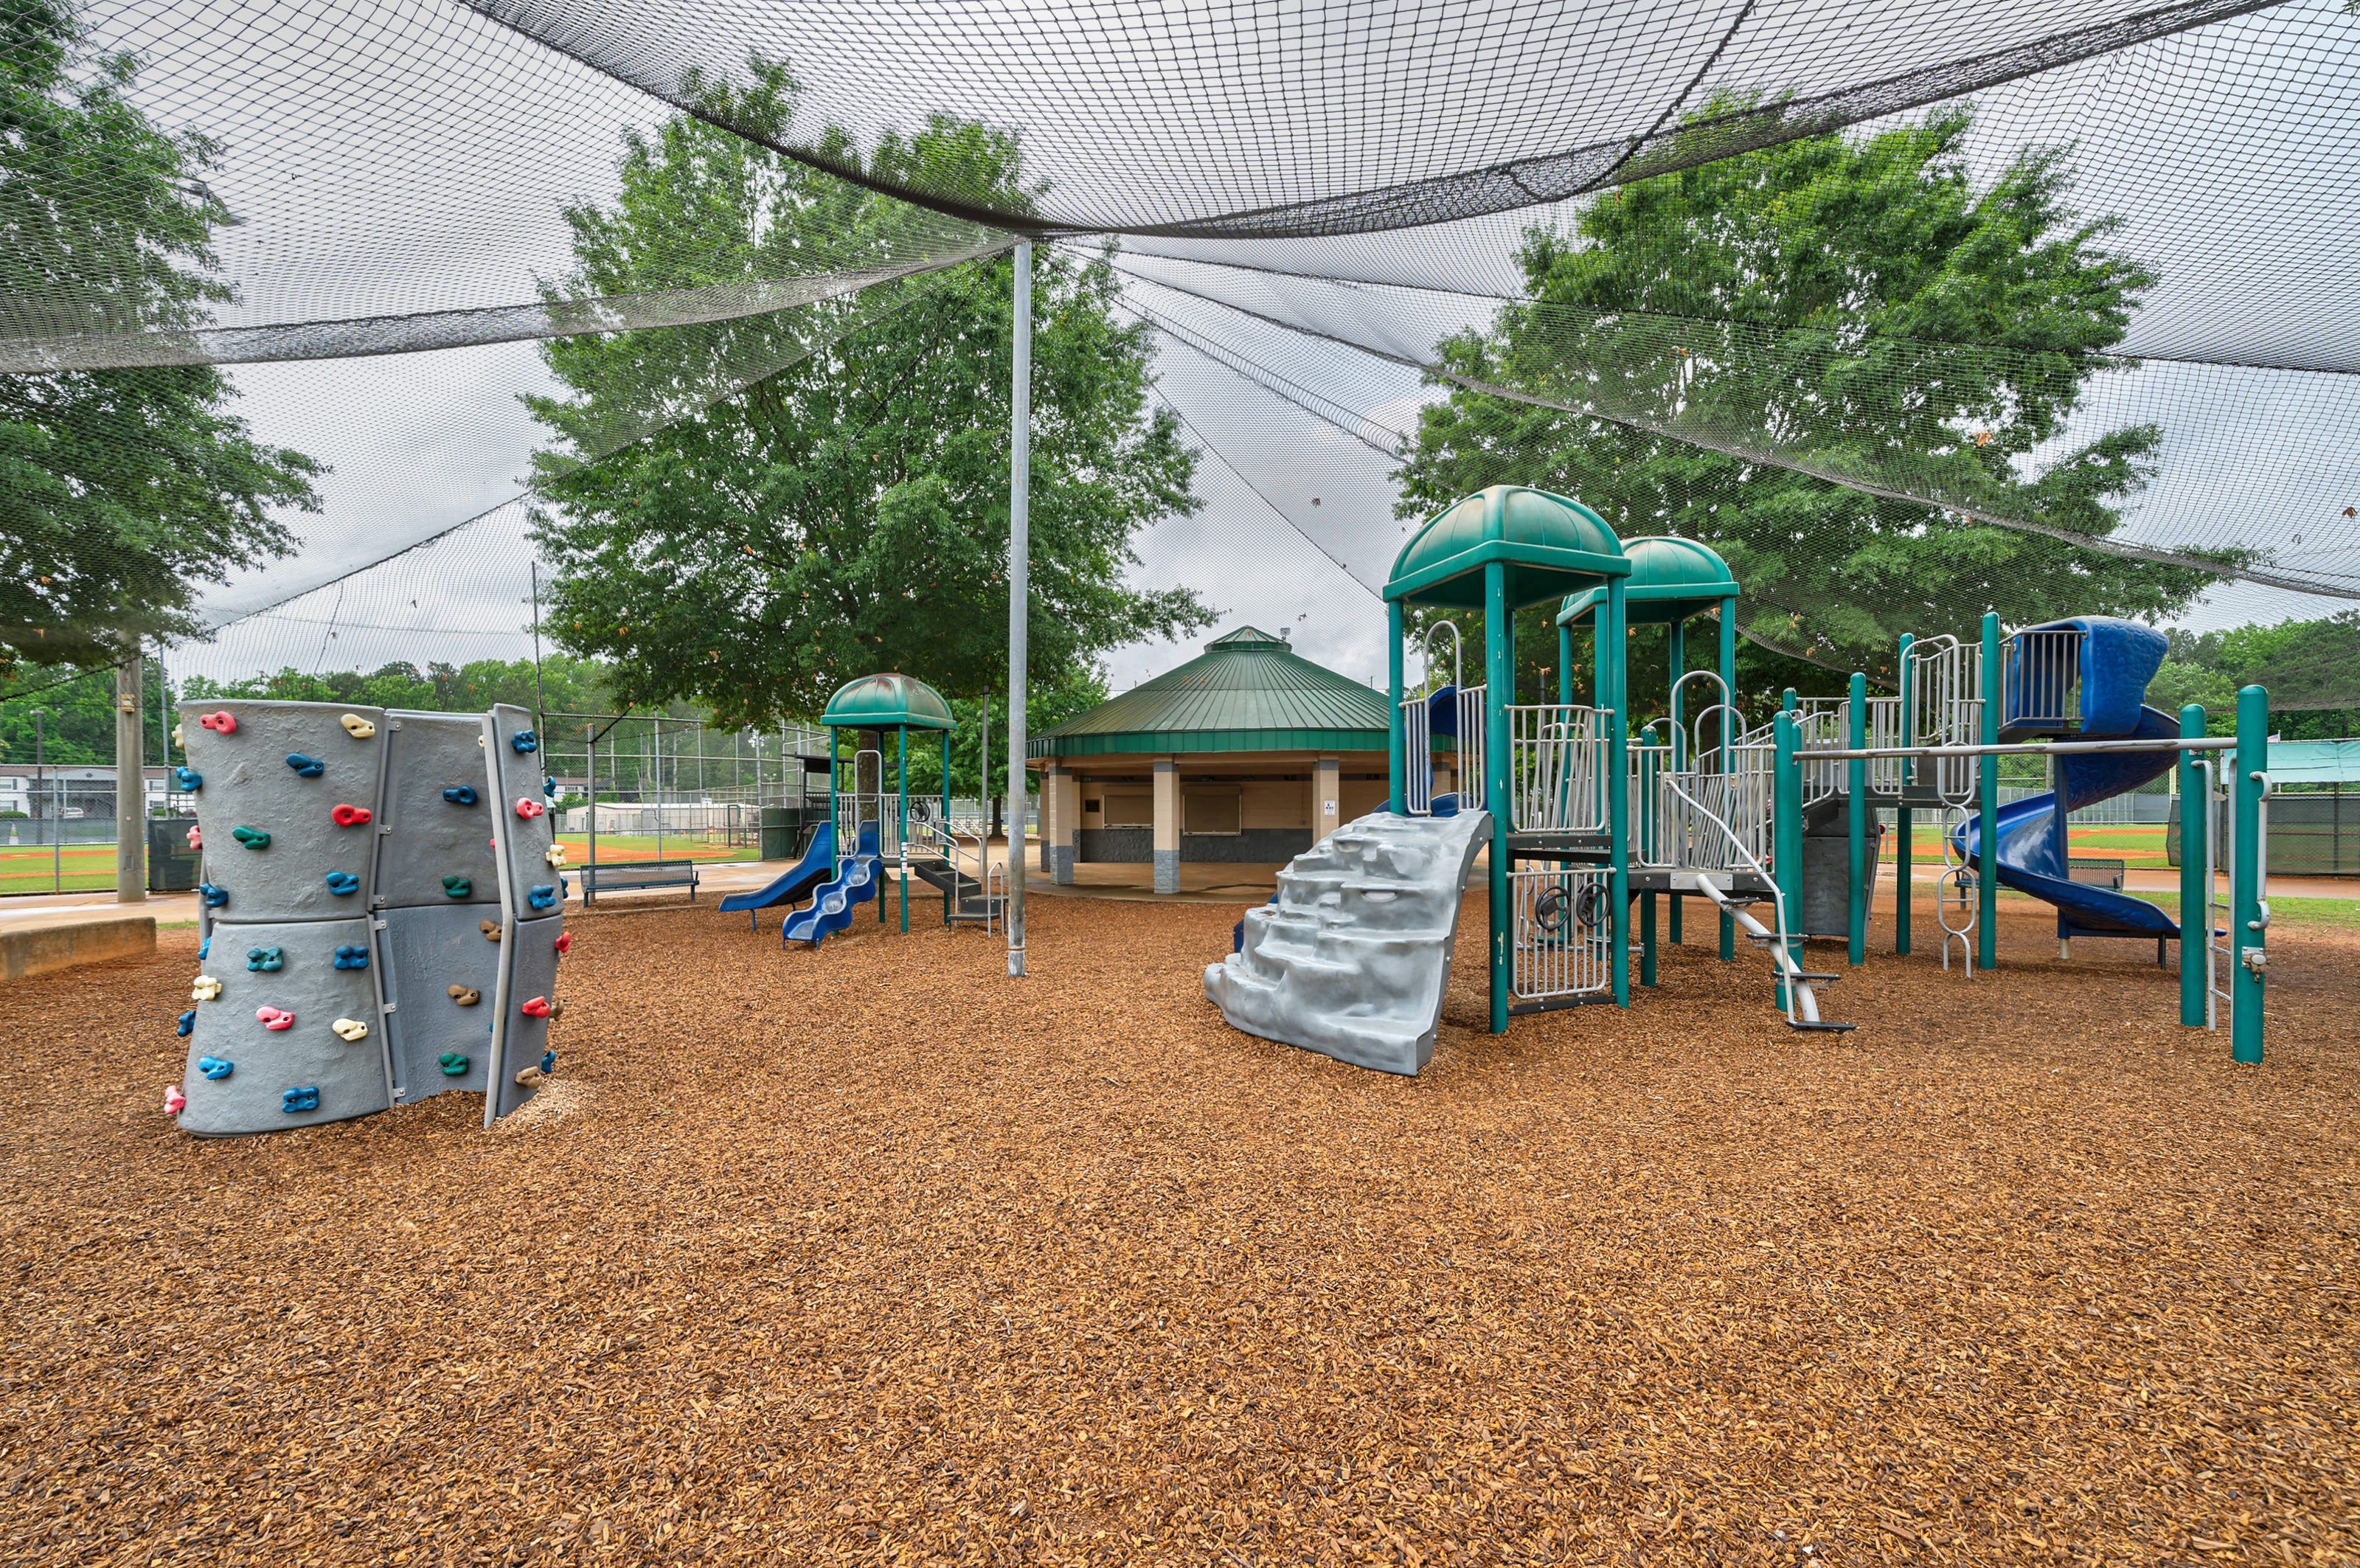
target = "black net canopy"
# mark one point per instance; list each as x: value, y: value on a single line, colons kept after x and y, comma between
x: 1910, y: 307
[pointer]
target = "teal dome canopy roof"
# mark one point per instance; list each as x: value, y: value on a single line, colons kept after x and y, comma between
x: 1550, y: 545
x: 1671, y: 579
x: 1247, y: 692
x: 887, y: 702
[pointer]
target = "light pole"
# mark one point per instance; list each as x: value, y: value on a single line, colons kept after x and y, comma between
x: 1019, y: 550
x: 39, y: 782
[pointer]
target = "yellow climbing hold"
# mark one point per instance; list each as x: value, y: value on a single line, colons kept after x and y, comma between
x: 490, y: 929
x: 356, y: 726
x: 465, y: 995
x: 349, y: 1029
x: 206, y: 988
x: 556, y: 855
x: 176, y: 736
x: 530, y: 1076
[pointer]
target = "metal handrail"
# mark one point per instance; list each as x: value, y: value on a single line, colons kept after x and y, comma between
x: 1799, y: 991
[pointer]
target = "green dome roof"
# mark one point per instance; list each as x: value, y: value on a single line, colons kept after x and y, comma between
x: 1249, y: 691
x: 1671, y: 579
x: 887, y: 702
x: 1549, y: 543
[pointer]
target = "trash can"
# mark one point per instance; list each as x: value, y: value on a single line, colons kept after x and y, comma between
x: 778, y: 829
x: 173, y: 866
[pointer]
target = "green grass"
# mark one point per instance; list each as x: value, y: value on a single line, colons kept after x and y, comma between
x: 2287, y: 914
x: 642, y: 846
x: 87, y: 868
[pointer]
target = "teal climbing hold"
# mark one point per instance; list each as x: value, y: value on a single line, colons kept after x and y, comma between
x: 458, y: 886
x: 189, y: 779
x: 454, y: 1064
x: 214, y: 1068
x: 525, y: 740
x: 352, y: 955
x: 252, y: 838
x: 460, y: 795
x: 214, y: 897
x: 541, y: 896
x: 188, y: 1022
x: 304, y: 1097
x: 305, y: 767
x: 342, y: 882
x: 265, y: 960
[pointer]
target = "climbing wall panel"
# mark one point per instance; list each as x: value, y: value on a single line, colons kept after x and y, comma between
x: 284, y: 1032
x: 287, y: 802
x: 441, y: 809
x: 535, y: 882
x: 430, y: 953
x: 530, y: 1004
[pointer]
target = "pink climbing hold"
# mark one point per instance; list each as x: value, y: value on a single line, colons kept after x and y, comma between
x: 565, y: 943
x: 196, y: 839
x: 527, y: 807
x: 219, y: 723
x: 537, y: 1008
x: 275, y: 1017
x: 350, y: 816
x: 174, y: 1101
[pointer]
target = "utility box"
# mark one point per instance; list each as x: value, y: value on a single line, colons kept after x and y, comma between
x: 1827, y: 866
x: 173, y: 866
x: 779, y: 827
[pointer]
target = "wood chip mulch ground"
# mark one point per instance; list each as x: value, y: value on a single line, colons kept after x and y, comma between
x: 869, y: 1254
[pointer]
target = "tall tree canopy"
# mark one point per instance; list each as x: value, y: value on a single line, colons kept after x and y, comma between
x: 1858, y: 304
x: 121, y: 491
x: 847, y: 511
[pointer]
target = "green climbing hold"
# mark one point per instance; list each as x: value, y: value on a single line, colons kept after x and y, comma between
x: 458, y: 886
x: 252, y: 838
x: 454, y: 1064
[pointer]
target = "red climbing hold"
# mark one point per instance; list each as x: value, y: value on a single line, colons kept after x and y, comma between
x: 565, y: 943
x: 220, y: 723
x: 196, y: 839
x: 527, y: 807
x: 275, y: 1018
x: 350, y: 816
x: 537, y: 1008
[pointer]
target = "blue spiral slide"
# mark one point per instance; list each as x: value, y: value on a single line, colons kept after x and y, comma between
x: 2117, y: 660
x: 818, y: 865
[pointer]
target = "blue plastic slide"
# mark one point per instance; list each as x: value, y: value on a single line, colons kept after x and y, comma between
x: 818, y: 865
x: 831, y: 906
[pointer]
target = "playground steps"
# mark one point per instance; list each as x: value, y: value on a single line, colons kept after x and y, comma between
x: 1350, y: 958
x: 969, y: 903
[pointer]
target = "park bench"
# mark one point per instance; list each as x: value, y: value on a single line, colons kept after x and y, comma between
x: 2096, y: 872
x: 616, y: 876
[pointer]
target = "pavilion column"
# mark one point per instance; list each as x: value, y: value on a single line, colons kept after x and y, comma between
x: 1063, y: 838
x: 1048, y: 808
x: 1167, y: 825
x: 1326, y: 796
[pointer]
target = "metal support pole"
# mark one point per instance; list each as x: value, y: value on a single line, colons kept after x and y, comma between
x: 1727, y: 734
x: 1396, y: 735
x: 1787, y: 835
x: 902, y: 798
x: 1987, y: 825
x: 1499, y: 675
x: 1615, y: 672
x: 1020, y: 548
x: 1903, y: 824
x: 983, y: 839
x: 1856, y: 813
x: 1676, y: 636
x: 1565, y: 664
x: 2195, y: 883
x: 130, y: 786
x: 2249, y: 919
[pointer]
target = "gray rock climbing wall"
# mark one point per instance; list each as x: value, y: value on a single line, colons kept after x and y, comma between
x: 1352, y: 960
x: 289, y: 1077
x: 427, y: 951
x: 525, y: 836
x: 249, y: 782
x: 532, y: 977
x: 427, y: 836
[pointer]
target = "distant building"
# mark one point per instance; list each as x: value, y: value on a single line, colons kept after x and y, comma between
x: 75, y: 791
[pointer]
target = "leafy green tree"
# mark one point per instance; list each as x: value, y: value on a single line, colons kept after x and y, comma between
x: 120, y: 490
x: 1853, y: 304
x: 2311, y: 669
x: 847, y: 513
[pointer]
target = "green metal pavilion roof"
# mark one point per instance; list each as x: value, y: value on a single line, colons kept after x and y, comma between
x: 887, y: 702
x: 1247, y: 692
x: 1550, y: 545
x: 1671, y: 579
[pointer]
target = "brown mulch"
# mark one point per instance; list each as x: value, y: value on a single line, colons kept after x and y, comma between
x: 873, y: 1255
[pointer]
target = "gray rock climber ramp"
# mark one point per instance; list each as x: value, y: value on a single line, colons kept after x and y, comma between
x: 1352, y: 960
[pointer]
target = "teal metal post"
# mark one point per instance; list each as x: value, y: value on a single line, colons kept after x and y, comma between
x: 1994, y: 686
x: 1904, y: 825
x: 834, y: 837
x: 1856, y: 813
x: 1397, y: 737
x: 902, y: 804
x: 1565, y: 665
x: 1728, y: 736
x: 1786, y: 833
x: 1677, y: 635
x: 1599, y: 684
x: 2248, y: 924
x: 1615, y: 671
x: 2195, y: 890
x: 1499, y: 679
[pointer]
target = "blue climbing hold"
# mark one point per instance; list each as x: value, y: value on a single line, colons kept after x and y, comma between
x: 547, y: 1062
x: 304, y: 1097
x: 525, y: 740
x: 342, y: 883
x: 305, y: 767
x: 205, y: 948
x: 214, y: 1068
x: 549, y: 783
x: 541, y: 896
x: 189, y: 779
x: 214, y: 896
x: 265, y: 960
x: 460, y: 795
x: 452, y: 1062
x: 353, y: 957
x: 188, y: 1022
x: 565, y: 887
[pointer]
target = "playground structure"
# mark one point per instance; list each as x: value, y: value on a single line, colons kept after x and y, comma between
x: 870, y: 825
x: 382, y: 913
x: 1580, y: 819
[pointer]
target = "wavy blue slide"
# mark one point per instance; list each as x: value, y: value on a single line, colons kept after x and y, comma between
x: 818, y: 865
x: 831, y: 905
x: 2117, y: 660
